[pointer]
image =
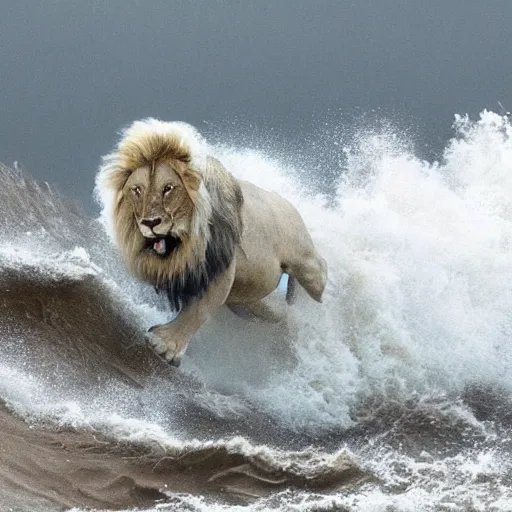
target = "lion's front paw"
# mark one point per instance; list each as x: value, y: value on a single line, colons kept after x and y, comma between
x: 164, y: 345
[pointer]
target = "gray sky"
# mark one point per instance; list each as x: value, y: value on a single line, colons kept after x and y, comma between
x: 73, y: 72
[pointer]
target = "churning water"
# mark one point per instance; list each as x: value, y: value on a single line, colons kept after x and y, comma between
x: 395, y: 394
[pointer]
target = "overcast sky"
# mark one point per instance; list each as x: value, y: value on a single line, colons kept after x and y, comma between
x: 73, y: 72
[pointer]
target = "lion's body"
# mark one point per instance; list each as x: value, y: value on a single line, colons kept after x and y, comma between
x: 274, y: 240
x: 187, y: 226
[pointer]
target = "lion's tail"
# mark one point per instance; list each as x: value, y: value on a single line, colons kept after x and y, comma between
x: 291, y: 290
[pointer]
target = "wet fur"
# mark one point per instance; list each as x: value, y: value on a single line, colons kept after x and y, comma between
x: 203, y: 253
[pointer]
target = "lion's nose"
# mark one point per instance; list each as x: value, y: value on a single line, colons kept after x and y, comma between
x: 151, y: 223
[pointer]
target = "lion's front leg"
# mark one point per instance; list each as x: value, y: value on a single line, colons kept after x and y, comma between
x: 171, y: 340
x: 167, y: 341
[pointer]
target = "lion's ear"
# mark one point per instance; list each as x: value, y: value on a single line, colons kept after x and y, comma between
x: 191, y: 181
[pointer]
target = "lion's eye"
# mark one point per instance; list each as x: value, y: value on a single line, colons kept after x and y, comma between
x: 168, y: 188
x: 136, y: 191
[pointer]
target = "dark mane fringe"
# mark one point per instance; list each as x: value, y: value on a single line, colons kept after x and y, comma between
x: 225, y: 234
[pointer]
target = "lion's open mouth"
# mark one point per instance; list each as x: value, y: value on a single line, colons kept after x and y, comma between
x: 162, y: 246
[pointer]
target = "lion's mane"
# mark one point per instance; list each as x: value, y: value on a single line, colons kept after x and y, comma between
x: 216, y: 228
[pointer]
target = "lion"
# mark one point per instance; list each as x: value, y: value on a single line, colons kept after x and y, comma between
x: 186, y: 225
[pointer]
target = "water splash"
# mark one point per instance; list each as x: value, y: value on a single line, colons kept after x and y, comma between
x: 416, y: 315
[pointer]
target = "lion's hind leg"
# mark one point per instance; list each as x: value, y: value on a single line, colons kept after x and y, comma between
x: 311, y: 273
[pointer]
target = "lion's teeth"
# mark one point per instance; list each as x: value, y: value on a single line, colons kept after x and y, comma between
x: 159, y: 246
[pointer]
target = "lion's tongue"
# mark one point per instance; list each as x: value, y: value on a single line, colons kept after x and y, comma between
x: 159, y: 246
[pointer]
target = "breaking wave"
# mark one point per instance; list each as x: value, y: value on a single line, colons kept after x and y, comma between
x: 394, y: 394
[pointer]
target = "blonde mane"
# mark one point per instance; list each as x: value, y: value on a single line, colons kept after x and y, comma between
x: 216, y: 227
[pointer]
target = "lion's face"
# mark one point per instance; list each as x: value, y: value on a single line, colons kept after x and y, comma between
x: 174, y: 211
x: 161, y: 205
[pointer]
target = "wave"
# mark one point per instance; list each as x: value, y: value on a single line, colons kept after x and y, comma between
x: 420, y: 291
x: 398, y: 383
